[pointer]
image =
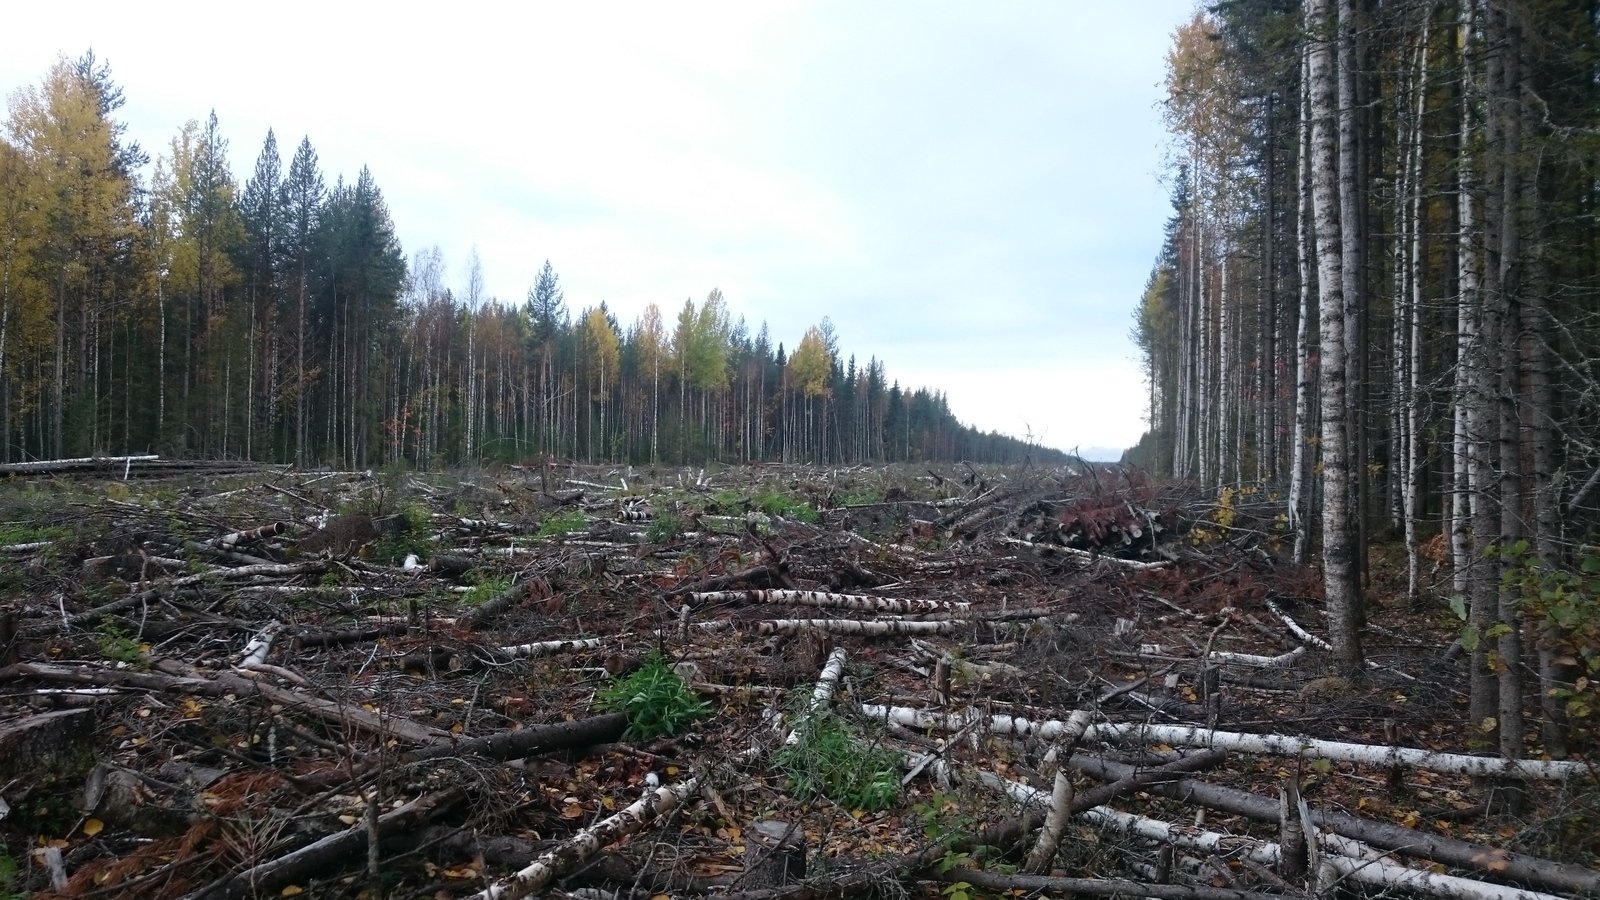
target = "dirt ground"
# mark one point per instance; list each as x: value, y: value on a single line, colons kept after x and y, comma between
x: 224, y: 684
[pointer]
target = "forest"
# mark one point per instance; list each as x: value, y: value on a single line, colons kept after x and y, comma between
x: 1376, y: 300
x: 164, y: 307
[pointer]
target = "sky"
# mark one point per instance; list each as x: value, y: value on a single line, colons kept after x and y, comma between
x: 971, y: 192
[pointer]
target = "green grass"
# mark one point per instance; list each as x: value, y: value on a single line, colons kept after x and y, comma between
x: 563, y: 522
x: 785, y: 506
x: 835, y: 759
x: 657, y: 700
x: 485, y: 590
x: 663, y: 529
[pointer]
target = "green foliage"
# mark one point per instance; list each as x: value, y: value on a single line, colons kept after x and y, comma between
x: 563, y: 522
x: 945, y: 818
x: 1567, y: 605
x: 20, y: 533
x: 116, y: 645
x: 412, y: 537
x: 664, y: 529
x: 8, y: 876
x: 657, y: 700
x: 831, y: 758
x: 485, y: 590
x: 785, y: 506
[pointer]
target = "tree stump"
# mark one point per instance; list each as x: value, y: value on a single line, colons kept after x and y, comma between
x: 774, y: 855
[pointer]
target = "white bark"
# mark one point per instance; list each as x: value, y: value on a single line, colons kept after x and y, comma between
x: 1085, y: 555
x: 1281, y: 661
x: 1054, y: 729
x: 1348, y: 858
x: 1341, y: 584
x: 1044, y: 849
x: 1315, y: 748
x: 822, y: 694
x: 824, y: 600
x: 563, y: 857
x: 853, y: 626
x: 546, y: 648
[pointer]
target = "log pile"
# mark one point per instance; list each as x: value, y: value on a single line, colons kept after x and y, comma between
x: 271, y: 682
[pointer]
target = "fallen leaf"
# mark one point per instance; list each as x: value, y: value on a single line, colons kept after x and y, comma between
x: 93, y: 827
x: 291, y: 890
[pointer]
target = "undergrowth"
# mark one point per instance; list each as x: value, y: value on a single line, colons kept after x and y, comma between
x: 657, y: 700
x: 485, y: 590
x: 832, y: 758
x: 563, y: 522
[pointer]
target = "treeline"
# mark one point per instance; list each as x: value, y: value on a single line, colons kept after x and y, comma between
x: 280, y: 320
x: 1378, y: 295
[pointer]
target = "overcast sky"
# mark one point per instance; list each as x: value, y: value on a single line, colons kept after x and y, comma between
x: 968, y: 190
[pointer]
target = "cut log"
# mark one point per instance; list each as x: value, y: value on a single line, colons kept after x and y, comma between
x: 563, y: 857
x: 824, y: 600
x: 1315, y: 748
x: 1095, y: 887
x: 602, y: 729
x: 853, y: 626
x: 1070, y: 729
x: 1505, y: 864
x: 323, y: 857
x: 51, y: 466
x: 365, y: 720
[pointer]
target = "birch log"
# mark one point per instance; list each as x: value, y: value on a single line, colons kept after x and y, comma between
x: 1315, y: 748
x: 1506, y: 864
x: 563, y: 857
x: 824, y: 600
x: 1070, y: 729
x: 1351, y: 859
x: 822, y: 694
x: 853, y: 626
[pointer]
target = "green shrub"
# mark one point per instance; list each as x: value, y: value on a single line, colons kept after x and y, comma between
x: 833, y: 759
x: 116, y: 645
x: 657, y: 700
x: 1566, y: 604
x: 563, y: 522
x: 775, y: 504
x: 663, y: 529
x: 487, y: 588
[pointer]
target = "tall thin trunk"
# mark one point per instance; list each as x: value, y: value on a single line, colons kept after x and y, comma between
x: 1299, y: 520
x: 1342, y: 584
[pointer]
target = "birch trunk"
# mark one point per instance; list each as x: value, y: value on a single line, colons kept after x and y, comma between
x: 1342, y: 584
x: 1303, y: 373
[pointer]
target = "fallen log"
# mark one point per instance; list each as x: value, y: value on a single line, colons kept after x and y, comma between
x: 1072, y: 728
x: 385, y: 726
x: 824, y: 600
x: 51, y: 466
x: 492, y: 608
x: 563, y: 857
x: 323, y: 856
x: 1096, y: 887
x: 601, y: 729
x: 853, y: 626
x: 1371, y: 870
x: 1316, y: 748
x: 1504, y: 864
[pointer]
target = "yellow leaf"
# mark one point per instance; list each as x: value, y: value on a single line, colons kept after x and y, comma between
x: 93, y: 827
x: 610, y: 803
x: 291, y: 890
x: 672, y: 770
